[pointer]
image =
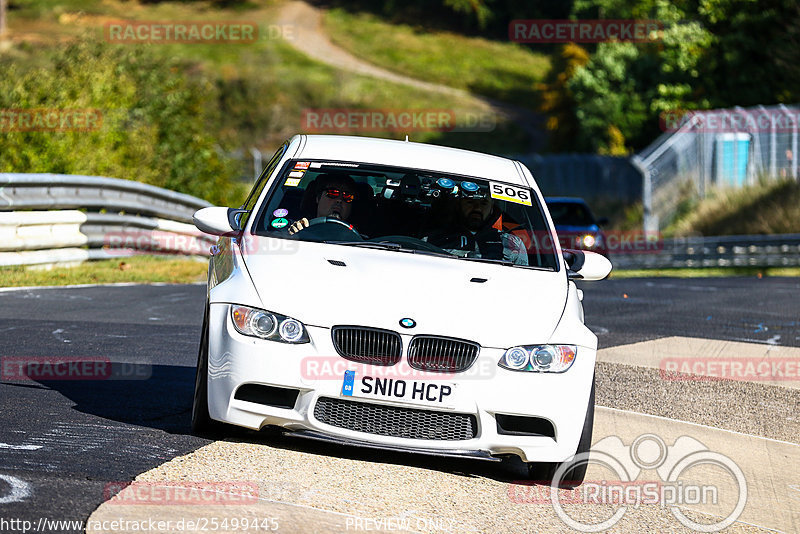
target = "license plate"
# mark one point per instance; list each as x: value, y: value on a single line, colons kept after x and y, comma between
x: 431, y: 393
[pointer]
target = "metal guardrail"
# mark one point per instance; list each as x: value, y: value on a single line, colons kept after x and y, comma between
x: 40, y: 225
x: 51, y: 218
x: 58, y: 191
x: 781, y: 250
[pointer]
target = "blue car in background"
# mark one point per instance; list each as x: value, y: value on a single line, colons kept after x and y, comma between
x: 577, y: 227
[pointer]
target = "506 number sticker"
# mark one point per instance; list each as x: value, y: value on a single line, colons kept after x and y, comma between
x: 510, y: 193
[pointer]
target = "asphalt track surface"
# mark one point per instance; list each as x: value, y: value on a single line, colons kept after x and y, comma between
x: 62, y: 442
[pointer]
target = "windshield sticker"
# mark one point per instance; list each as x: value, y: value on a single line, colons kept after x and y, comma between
x: 296, y: 174
x: 301, y: 165
x: 280, y: 212
x: 318, y: 164
x: 292, y: 182
x: 279, y: 223
x: 510, y: 193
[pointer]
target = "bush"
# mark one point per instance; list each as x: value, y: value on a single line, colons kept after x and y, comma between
x: 154, y: 120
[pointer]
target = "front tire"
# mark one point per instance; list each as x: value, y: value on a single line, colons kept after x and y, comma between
x: 573, y: 477
x: 202, y: 424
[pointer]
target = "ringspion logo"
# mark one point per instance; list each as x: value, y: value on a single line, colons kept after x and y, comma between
x: 677, y: 467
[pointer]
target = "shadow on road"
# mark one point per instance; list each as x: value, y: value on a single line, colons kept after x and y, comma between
x: 162, y: 399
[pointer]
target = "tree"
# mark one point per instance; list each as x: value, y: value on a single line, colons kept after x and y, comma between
x: 558, y: 102
x: 3, y: 9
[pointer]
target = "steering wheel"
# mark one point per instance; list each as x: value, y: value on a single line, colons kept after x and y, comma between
x: 323, y: 220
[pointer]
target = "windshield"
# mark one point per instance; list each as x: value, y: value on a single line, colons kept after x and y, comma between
x: 570, y: 214
x: 408, y: 210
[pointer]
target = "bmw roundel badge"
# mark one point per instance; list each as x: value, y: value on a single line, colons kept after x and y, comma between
x: 408, y: 323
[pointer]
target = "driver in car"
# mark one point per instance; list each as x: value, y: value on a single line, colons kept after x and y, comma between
x: 472, y: 235
x: 334, y: 198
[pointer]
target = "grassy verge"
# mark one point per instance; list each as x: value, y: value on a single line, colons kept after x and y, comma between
x: 769, y: 207
x: 505, y: 71
x: 138, y: 269
x: 720, y: 272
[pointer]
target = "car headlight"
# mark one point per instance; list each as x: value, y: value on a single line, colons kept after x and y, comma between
x: 589, y: 241
x: 268, y: 325
x: 539, y: 358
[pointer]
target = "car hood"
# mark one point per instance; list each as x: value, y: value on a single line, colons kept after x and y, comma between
x: 326, y: 285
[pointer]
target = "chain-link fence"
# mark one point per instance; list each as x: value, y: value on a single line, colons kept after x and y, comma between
x: 719, y: 148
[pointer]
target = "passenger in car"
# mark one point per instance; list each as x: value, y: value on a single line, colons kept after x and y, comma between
x: 472, y: 233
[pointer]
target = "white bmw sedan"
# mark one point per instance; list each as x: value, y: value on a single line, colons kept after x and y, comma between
x: 402, y: 296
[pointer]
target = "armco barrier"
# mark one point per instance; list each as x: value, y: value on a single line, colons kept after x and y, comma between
x: 52, y: 218
x: 781, y: 250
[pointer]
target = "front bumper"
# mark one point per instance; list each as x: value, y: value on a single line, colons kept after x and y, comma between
x: 314, y: 370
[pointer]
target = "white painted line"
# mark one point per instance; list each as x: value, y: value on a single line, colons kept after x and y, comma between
x: 57, y: 333
x: 20, y: 490
x: 82, y: 286
x: 688, y: 358
x: 662, y: 418
x: 20, y: 447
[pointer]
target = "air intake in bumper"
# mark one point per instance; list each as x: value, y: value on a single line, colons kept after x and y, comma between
x: 517, y: 425
x: 267, y: 395
x: 395, y: 421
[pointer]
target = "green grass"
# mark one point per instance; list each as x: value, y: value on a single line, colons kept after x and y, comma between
x: 502, y: 70
x: 265, y: 86
x: 769, y: 207
x: 720, y: 272
x: 138, y: 269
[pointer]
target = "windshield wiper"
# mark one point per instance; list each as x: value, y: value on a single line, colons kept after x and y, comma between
x: 389, y: 245
x: 486, y: 260
x: 366, y: 244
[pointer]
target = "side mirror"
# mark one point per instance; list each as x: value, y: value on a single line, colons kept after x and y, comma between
x: 586, y: 265
x: 218, y: 220
x: 602, y: 221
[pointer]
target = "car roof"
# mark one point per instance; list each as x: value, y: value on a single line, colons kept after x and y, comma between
x: 409, y: 154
